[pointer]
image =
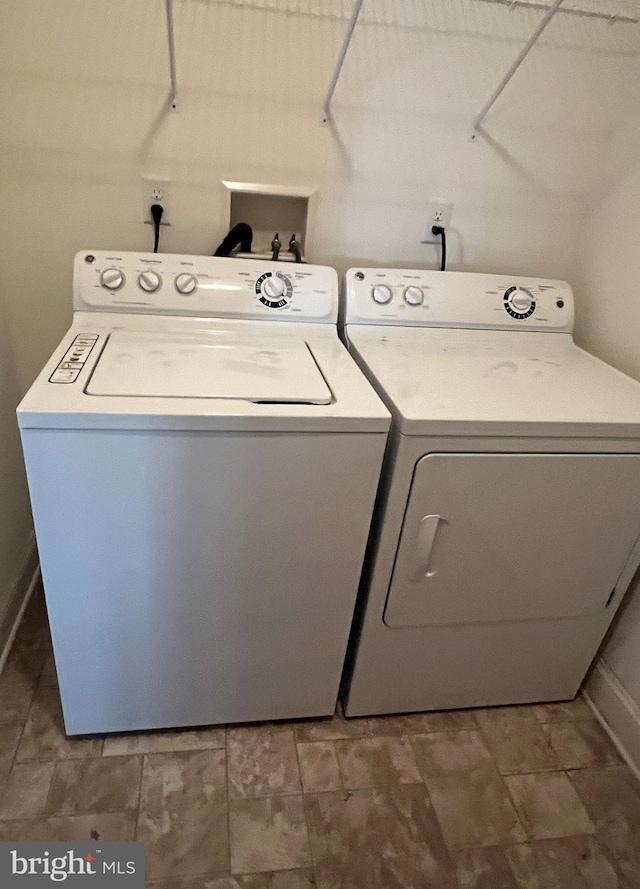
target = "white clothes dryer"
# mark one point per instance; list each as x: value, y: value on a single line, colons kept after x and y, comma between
x: 507, y: 525
x: 202, y: 455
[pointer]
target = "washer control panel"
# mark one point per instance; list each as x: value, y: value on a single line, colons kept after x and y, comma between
x: 206, y: 286
x: 414, y: 298
x: 74, y: 359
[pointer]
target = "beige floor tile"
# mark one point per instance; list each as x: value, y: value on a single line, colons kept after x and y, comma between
x: 34, y: 639
x: 590, y: 861
x: 112, y: 826
x: 486, y: 868
x: 164, y: 741
x: 418, y: 723
x: 569, y: 863
x: 49, y: 675
x: 332, y: 729
x: 504, y: 717
x: 26, y: 790
x: 612, y: 798
x: 474, y: 808
x: 262, y: 762
x: 9, y: 738
x: 284, y: 879
x: 548, y: 805
x: 268, y: 834
x: 202, y: 881
x: 518, y: 745
x: 183, y: 814
x: 44, y: 736
x: 373, y: 762
x: 95, y: 785
x: 18, y: 681
x: 564, y: 711
x: 383, y: 838
x: 319, y: 767
x: 467, y: 792
x: 449, y: 753
x: 582, y: 744
x: 33, y: 632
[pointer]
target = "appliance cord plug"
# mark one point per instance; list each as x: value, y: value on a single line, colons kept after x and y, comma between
x: 439, y: 230
x: 156, y: 214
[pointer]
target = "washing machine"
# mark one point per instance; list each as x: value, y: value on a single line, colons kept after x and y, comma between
x: 202, y: 455
x: 507, y: 525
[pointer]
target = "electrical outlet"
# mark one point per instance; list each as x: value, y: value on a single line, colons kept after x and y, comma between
x: 155, y: 191
x: 438, y: 213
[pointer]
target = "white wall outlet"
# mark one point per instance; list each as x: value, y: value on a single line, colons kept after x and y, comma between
x: 438, y: 213
x: 156, y: 191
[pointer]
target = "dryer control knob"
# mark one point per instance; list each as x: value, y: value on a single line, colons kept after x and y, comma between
x: 381, y: 294
x: 112, y: 279
x: 413, y: 296
x: 521, y: 300
x: 186, y: 283
x: 273, y: 287
x: 149, y: 281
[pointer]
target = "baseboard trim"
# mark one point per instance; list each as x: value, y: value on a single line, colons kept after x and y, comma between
x: 617, y: 712
x: 27, y: 577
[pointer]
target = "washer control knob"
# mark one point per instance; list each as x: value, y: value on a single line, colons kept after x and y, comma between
x: 273, y: 287
x: 381, y: 294
x: 186, y: 283
x: 112, y: 279
x: 521, y: 301
x: 413, y: 296
x: 149, y: 281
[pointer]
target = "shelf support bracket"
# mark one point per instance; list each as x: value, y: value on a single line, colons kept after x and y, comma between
x: 524, y: 52
x: 326, y: 108
x: 172, y: 100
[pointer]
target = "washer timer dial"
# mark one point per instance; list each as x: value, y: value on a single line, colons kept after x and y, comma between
x: 519, y: 302
x: 274, y: 290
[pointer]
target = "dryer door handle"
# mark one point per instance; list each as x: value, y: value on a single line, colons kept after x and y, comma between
x: 427, y: 530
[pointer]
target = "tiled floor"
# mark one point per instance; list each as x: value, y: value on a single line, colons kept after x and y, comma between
x: 510, y: 798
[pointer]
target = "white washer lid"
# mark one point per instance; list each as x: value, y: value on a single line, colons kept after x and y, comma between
x: 190, y: 365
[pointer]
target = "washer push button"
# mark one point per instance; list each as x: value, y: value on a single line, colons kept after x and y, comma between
x: 68, y: 370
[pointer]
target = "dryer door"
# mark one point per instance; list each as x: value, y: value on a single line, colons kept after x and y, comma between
x: 505, y: 537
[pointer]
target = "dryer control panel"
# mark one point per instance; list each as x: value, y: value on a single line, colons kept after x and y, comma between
x: 204, y: 286
x: 414, y: 298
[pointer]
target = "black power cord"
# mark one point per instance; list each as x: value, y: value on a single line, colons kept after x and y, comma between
x: 156, y: 214
x: 439, y: 230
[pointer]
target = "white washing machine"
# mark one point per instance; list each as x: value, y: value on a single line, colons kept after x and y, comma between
x: 507, y: 526
x: 202, y: 455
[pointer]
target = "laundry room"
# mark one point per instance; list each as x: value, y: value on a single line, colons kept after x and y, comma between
x: 339, y: 550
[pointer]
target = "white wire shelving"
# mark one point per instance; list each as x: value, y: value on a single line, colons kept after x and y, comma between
x: 613, y: 12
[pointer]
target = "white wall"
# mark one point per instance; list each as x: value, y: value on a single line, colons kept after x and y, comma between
x: 608, y: 284
x: 15, y: 515
x: 82, y: 103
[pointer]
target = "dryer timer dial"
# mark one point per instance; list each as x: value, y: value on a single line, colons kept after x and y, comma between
x: 519, y: 302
